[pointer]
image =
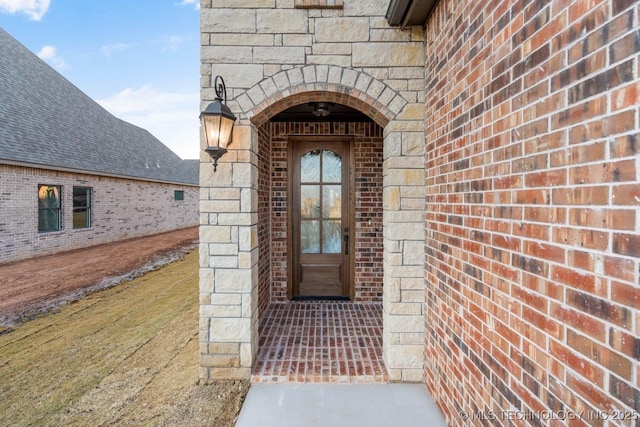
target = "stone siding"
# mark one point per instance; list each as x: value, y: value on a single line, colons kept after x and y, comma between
x: 120, y: 209
x: 275, y: 54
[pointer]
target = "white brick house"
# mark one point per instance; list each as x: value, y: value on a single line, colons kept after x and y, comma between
x: 71, y: 174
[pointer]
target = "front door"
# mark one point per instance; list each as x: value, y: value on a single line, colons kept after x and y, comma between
x: 320, y: 218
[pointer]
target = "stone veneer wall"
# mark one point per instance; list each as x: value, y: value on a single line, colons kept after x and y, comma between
x: 274, y: 54
x: 368, y: 258
x: 120, y: 209
x: 533, y: 195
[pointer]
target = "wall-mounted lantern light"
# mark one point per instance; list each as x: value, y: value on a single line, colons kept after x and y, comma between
x: 217, y: 122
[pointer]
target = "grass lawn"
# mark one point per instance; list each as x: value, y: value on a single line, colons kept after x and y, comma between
x: 124, y: 356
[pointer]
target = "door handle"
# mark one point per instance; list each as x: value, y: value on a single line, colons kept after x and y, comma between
x: 346, y: 244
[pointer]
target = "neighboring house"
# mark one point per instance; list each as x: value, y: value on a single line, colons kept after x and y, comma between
x: 490, y: 186
x: 71, y: 174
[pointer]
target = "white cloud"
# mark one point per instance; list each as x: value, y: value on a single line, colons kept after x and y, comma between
x: 172, y: 43
x: 35, y: 9
x: 110, y: 49
x: 144, y: 99
x: 170, y: 117
x: 188, y: 2
x: 50, y: 55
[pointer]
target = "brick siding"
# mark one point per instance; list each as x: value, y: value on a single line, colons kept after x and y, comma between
x: 120, y: 209
x: 368, y: 203
x: 532, y: 233
x: 268, y: 197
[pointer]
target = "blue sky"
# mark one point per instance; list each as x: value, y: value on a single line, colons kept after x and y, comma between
x: 137, y: 58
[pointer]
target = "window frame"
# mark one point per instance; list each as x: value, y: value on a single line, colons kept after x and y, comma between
x: 57, y: 209
x: 88, y: 192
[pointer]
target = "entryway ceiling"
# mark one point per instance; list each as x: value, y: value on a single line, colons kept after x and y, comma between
x: 303, y: 113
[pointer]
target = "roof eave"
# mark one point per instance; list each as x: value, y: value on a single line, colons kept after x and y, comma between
x: 405, y: 13
x: 90, y: 172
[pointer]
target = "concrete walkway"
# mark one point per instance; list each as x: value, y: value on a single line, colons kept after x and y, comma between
x: 339, y: 405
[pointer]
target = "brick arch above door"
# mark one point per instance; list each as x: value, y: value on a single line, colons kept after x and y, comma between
x: 327, y: 83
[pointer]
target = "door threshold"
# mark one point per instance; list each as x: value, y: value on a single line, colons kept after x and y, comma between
x: 309, y: 298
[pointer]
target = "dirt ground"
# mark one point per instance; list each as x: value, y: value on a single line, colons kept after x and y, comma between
x: 125, y: 355
x: 37, y: 285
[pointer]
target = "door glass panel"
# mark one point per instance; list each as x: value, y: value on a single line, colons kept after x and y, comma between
x: 310, y: 167
x: 310, y: 201
x: 310, y: 237
x: 331, y: 167
x: 332, y: 201
x: 331, y: 233
x: 320, y: 202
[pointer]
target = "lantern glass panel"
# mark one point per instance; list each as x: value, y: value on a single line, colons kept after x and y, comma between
x: 226, y: 127
x: 211, y: 125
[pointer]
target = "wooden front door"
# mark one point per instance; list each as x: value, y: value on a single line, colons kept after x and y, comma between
x: 320, y: 218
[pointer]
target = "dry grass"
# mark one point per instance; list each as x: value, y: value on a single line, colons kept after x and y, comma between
x: 124, y: 356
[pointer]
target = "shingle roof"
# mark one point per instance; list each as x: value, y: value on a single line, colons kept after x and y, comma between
x: 45, y: 120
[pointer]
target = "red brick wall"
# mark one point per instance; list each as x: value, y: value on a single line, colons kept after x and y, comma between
x: 368, y: 214
x: 533, y: 241
x: 368, y: 195
x: 264, y: 217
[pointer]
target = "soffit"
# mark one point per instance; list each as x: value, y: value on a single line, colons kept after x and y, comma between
x: 406, y: 13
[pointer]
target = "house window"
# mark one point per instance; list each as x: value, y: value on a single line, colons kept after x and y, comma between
x: 48, y: 208
x: 178, y: 195
x: 81, y: 207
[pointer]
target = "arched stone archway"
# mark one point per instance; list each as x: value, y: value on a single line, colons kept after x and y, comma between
x: 233, y: 265
x: 309, y: 83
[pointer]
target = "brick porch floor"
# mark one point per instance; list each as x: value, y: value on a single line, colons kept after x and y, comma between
x: 321, y: 341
